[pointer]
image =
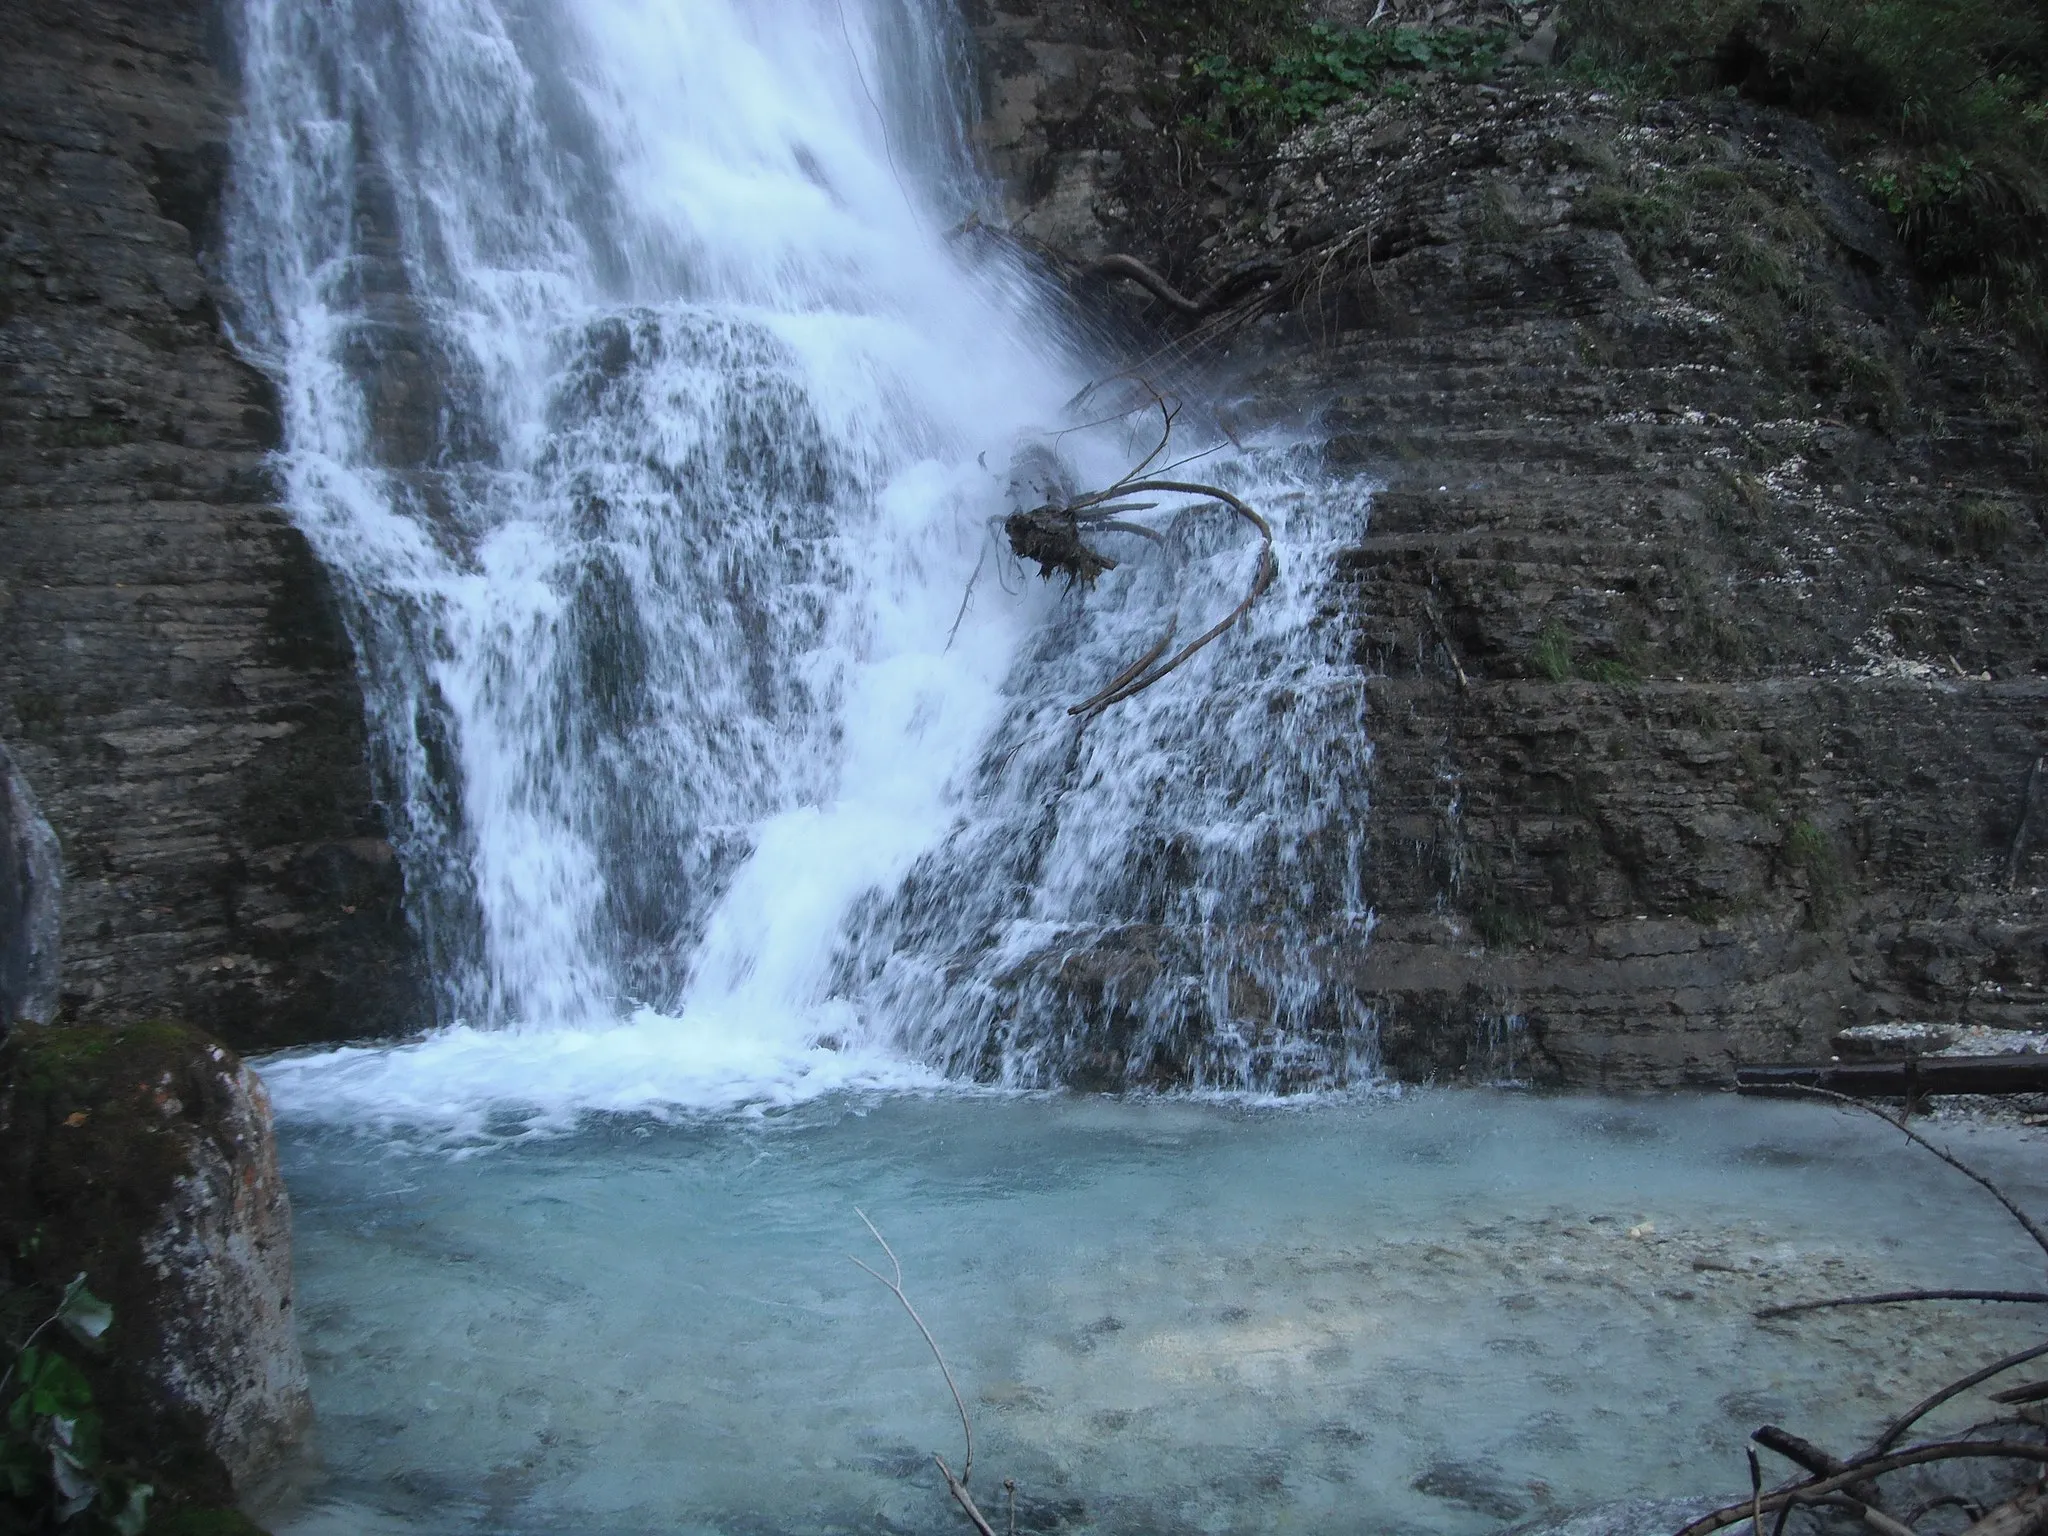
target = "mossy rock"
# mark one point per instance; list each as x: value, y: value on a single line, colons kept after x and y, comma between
x: 98, y: 1124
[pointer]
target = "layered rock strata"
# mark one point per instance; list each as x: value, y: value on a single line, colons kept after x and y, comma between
x: 1702, y: 610
x: 173, y: 675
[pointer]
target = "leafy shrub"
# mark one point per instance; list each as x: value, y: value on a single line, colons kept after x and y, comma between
x: 1982, y: 527
x: 1811, y: 852
x: 53, y: 1475
x: 1242, y: 94
x: 1507, y: 926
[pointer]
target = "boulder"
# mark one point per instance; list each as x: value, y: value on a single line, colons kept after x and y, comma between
x: 31, y: 894
x: 142, y: 1156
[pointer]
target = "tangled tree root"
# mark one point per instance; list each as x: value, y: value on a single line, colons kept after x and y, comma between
x: 1053, y: 537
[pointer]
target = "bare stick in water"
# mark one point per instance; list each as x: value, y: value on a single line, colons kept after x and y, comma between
x: 957, y: 1486
x: 1892, y: 1298
x: 2033, y: 1229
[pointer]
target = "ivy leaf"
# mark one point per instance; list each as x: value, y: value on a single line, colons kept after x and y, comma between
x: 76, y: 1485
x: 84, y: 1316
x: 52, y: 1386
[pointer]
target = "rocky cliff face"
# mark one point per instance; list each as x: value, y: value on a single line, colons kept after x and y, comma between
x: 172, y: 672
x: 1703, y: 608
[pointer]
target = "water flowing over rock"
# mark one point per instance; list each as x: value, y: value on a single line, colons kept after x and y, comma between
x: 1652, y: 680
x: 1700, y: 612
x: 656, y: 449
x: 31, y: 896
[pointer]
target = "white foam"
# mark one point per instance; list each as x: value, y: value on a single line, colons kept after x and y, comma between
x: 467, y: 1086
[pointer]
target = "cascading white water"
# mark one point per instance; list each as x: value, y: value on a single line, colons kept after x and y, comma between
x: 646, y: 412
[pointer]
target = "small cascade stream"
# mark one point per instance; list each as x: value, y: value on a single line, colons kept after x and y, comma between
x: 654, y: 429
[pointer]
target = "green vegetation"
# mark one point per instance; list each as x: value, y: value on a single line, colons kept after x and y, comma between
x: 1239, y: 97
x: 1507, y: 926
x: 53, y: 1471
x: 1254, y: 69
x: 1811, y: 852
x: 98, y: 1124
x: 1939, y: 108
x: 1983, y: 527
x: 1552, y: 655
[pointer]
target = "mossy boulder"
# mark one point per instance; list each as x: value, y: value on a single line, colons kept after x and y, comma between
x: 141, y: 1155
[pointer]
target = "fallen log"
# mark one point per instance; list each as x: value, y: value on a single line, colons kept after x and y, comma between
x: 1912, y: 1078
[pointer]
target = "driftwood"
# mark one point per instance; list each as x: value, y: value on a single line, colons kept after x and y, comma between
x: 1054, y: 536
x: 1229, y: 286
x: 1858, y: 1471
x: 1896, y: 1430
x: 1892, y: 1298
x: 2022, y: 1516
x: 1051, y: 538
x: 1851, y: 1484
x: 1804, y: 1453
x: 1912, y: 1078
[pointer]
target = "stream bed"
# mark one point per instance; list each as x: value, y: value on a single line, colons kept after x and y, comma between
x: 1435, y: 1311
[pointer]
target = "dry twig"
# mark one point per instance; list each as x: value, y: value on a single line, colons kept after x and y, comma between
x: 1892, y: 1298
x: 1954, y: 1389
x: 957, y: 1486
x: 2033, y: 1229
x: 1857, y: 1471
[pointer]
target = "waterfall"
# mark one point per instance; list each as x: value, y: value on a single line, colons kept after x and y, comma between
x: 654, y: 428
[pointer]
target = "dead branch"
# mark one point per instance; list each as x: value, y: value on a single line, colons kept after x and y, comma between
x: 1262, y: 579
x: 2021, y: 1516
x: 893, y: 1283
x: 958, y: 1488
x: 2032, y: 1392
x: 1954, y: 1389
x: 966, y: 597
x: 1891, y: 1298
x: 2032, y: 1229
x: 1051, y: 538
x: 1214, y: 297
x: 1969, y: 1507
x: 1103, y: 698
x: 1804, y: 1453
x: 1798, y: 1450
x: 1876, y: 1519
x: 1919, y: 1455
